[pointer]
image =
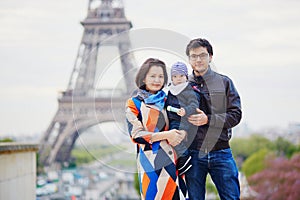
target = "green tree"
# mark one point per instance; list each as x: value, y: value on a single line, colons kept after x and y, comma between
x: 256, y: 162
x: 6, y: 140
x: 136, y: 182
x: 39, y: 166
x: 284, y: 147
x: 244, y: 147
x: 210, y: 187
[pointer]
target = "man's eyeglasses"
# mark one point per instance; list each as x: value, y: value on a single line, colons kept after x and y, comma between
x: 201, y: 56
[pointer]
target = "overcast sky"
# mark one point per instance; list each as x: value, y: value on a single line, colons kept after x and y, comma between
x: 256, y: 43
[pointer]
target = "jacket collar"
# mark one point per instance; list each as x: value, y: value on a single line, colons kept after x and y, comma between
x: 200, y: 79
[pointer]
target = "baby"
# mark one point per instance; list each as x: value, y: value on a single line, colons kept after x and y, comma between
x: 182, y: 102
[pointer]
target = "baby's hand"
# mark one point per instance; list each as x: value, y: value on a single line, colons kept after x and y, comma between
x: 181, y: 112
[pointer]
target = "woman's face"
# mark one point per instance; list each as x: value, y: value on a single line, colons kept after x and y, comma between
x: 154, y: 79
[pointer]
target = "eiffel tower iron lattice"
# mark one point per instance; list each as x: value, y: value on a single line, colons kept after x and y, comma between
x: 82, y: 105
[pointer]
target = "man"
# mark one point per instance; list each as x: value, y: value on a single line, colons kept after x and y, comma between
x: 219, y: 111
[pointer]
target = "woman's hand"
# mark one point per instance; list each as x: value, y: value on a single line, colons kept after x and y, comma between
x: 174, y: 136
x: 198, y: 119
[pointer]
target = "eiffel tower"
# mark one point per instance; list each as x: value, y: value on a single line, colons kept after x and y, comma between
x: 82, y: 104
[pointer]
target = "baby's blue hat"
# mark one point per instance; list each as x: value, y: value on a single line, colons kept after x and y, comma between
x: 179, y: 68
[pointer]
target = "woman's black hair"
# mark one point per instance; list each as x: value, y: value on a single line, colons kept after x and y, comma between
x: 144, y: 69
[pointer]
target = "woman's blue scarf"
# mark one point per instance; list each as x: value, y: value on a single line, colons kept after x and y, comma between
x: 157, y: 99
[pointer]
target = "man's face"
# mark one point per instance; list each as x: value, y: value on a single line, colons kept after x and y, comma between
x: 199, y: 60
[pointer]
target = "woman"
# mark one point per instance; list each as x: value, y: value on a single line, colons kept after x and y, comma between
x: 148, y: 127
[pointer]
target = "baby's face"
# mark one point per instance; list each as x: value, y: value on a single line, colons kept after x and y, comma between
x: 179, y: 78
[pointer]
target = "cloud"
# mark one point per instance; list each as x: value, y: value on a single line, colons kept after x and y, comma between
x: 256, y: 43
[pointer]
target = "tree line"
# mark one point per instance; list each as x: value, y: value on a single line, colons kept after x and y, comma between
x: 272, y: 168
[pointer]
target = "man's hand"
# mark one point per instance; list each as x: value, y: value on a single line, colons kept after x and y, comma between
x: 198, y: 119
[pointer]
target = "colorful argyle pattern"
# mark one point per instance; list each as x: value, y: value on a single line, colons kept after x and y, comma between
x: 155, y: 162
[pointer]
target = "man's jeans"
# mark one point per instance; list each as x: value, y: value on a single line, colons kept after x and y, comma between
x: 222, y: 169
